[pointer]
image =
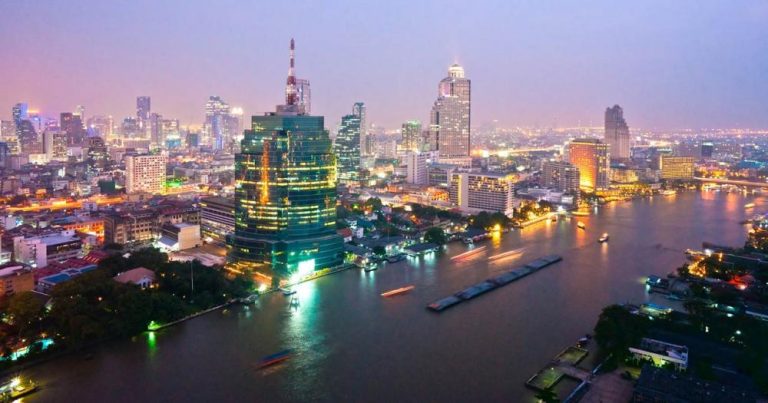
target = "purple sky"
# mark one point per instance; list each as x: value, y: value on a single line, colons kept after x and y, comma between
x: 670, y: 64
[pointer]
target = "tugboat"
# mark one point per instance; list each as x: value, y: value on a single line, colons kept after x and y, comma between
x: 603, y: 238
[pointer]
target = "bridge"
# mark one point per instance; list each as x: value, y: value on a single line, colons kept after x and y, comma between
x: 732, y: 182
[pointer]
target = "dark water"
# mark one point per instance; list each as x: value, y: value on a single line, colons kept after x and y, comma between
x: 353, y: 345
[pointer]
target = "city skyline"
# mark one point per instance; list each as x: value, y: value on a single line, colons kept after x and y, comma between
x: 680, y: 72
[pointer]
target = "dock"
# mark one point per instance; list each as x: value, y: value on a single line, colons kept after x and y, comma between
x: 493, y: 283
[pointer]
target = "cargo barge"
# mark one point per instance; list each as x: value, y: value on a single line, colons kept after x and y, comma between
x: 493, y: 283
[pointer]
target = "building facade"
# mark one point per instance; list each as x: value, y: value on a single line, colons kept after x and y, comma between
x: 145, y: 173
x: 483, y: 192
x: 217, y: 218
x: 591, y: 157
x: 675, y: 168
x: 285, y: 195
x: 617, y: 133
x: 416, y: 163
x: 561, y: 176
x: 349, y: 144
x: 450, y: 117
x: 411, y: 139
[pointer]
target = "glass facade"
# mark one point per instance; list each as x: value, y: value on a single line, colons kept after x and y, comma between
x: 285, y: 198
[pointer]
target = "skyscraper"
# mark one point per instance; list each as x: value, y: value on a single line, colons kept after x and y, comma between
x: 143, y: 111
x: 304, y: 95
x: 411, y: 136
x: 221, y: 124
x: 145, y: 173
x: 450, y: 117
x: 617, y: 133
x: 591, y: 158
x: 72, y: 125
x: 285, y: 194
x: 55, y: 145
x: 349, y: 144
x: 561, y: 176
x: 366, y: 142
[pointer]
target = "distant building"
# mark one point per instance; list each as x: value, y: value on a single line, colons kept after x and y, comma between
x: 143, y: 113
x: 97, y: 156
x: 591, y: 157
x: 411, y: 139
x: 416, y: 163
x: 439, y: 174
x: 221, y: 124
x: 304, y: 95
x: 483, y: 192
x: 671, y: 167
x: 561, y: 176
x: 617, y: 133
x: 217, y: 218
x: 450, y: 116
x: 55, y: 145
x: 16, y: 279
x: 145, y: 173
x: 349, y: 144
x: 72, y: 125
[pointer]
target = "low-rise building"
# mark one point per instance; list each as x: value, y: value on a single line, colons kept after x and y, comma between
x: 661, y: 353
x: 16, y: 278
x: 182, y: 236
x: 217, y: 218
x: 140, y: 276
x: 39, y: 251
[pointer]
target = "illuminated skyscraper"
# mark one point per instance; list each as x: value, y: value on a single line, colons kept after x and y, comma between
x: 617, y: 133
x: 222, y: 122
x: 285, y: 194
x: 55, y: 145
x: 349, y: 144
x: 143, y: 112
x: 411, y: 136
x: 591, y: 158
x: 304, y: 95
x: 450, y: 118
x: 72, y: 125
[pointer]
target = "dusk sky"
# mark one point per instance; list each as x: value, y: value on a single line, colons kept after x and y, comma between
x: 670, y: 64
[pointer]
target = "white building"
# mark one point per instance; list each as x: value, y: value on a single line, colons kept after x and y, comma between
x: 180, y: 236
x: 450, y: 117
x: 145, y: 173
x: 39, y: 251
x: 416, y: 171
x: 473, y: 192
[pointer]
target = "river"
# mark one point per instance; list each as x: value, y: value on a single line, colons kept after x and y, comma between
x: 353, y: 345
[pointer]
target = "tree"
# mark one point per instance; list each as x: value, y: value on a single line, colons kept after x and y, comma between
x: 379, y: 250
x: 374, y: 203
x: 436, y: 235
x: 25, y: 309
x: 617, y: 329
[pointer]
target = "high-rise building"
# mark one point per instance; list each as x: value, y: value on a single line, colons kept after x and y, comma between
x: 29, y: 141
x: 450, y: 117
x: 80, y: 111
x: 482, y: 191
x: 101, y: 126
x: 591, y: 157
x: 285, y: 194
x: 55, y: 145
x: 145, y: 173
x: 304, y: 95
x: 411, y: 136
x: 143, y: 112
x: 672, y: 167
x: 72, y: 125
x: 348, y: 144
x: 617, y: 133
x: 561, y: 176
x: 416, y: 171
x: 221, y: 124
x: 98, y: 156
x: 9, y: 136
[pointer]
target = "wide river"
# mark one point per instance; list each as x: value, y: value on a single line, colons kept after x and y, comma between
x: 353, y: 345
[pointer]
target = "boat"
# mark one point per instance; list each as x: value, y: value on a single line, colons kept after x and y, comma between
x: 580, y: 213
x: 14, y: 388
x: 371, y: 267
x: 581, y: 225
x: 397, y: 291
x: 749, y: 205
x: 288, y: 292
x: 668, y: 192
x: 396, y: 258
x: 553, y: 218
x: 603, y: 238
x: 273, y: 359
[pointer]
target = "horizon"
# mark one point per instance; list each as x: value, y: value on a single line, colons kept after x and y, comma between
x: 699, y: 65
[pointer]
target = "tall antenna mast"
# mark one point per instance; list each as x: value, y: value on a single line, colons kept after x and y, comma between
x: 291, y: 97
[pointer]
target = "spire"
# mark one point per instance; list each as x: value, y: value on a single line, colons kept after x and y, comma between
x: 290, y: 85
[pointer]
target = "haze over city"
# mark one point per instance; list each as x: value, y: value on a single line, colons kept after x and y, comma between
x: 682, y: 64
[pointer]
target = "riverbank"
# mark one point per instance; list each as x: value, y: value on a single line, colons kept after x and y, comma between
x: 352, y: 344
